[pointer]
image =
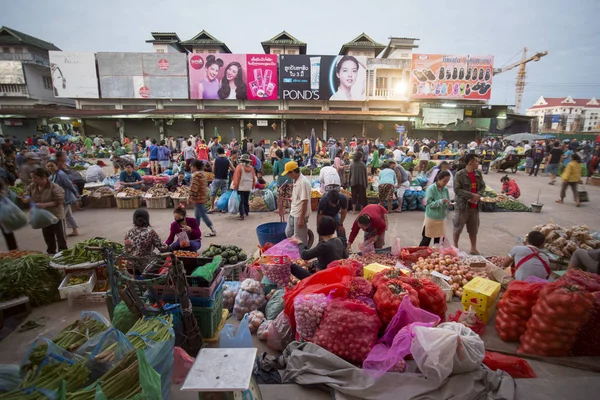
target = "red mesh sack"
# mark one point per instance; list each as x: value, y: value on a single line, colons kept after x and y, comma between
x: 348, y: 261
x: 588, y: 339
x: 514, y: 366
x: 431, y: 297
x: 388, y: 297
x: 514, y: 309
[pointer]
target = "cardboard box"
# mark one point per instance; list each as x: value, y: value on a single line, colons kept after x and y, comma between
x: 482, y: 295
x: 370, y: 270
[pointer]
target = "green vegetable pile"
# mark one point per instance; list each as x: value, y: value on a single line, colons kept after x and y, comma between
x: 307, y: 171
x: 231, y: 254
x: 79, y: 253
x: 49, y: 378
x: 513, y: 206
x: 31, y: 276
x: 18, y: 189
x: 489, y: 192
x: 267, y: 168
x: 371, y: 193
x: 77, y: 167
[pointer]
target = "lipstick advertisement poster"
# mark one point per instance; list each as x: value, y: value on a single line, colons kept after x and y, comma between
x: 233, y: 76
x: 334, y: 78
x: 440, y: 76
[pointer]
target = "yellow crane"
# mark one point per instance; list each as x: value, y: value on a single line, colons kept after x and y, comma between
x: 520, y: 85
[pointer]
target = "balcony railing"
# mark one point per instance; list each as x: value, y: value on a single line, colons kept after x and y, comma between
x: 389, y: 94
x: 11, y: 90
x: 26, y: 57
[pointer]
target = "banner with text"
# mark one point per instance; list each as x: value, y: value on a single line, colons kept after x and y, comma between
x: 74, y: 75
x: 233, y: 76
x: 440, y: 76
x: 334, y: 78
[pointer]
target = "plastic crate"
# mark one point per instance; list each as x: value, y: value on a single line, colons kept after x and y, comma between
x: 193, y: 291
x: 191, y: 263
x: 157, y: 202
x: 217, y: 334
x: 87, y: 287
x: 196, y: 301
x: 209, y: 318
x: 128, y: 203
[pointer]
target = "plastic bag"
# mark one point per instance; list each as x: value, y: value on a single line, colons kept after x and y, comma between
x: 40, y: 218
x: 207, y: 271
x: 308, y: 311
x: 514, y: 366
x: 348, y: 329
x: 396, y: 248
x: 233, y: 206
x: 360, y: 287
x: 10, y: 377
x: 223, y: 202
x: 230, y: 338
x: 181, y: 366
x: 514, y: 309
x: 123, y: 319
x: 255, y: 319
x: 280, y: 333
x: 449, y: 348
x: 250, y: 297
x: 11, y: 216
x: 263, y: 330
x: 431, y: 297
x: 367, y: 247
x: 468, y: 319
x: 275, y: 304
x: 160, y: 357
x: 284, y: 248
x: 183, y: 239
x: 93, y: 350
x: 230, y: 291
x: 270, y: 200
x: 277, y: 269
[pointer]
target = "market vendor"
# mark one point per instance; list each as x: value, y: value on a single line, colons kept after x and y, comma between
x: 335, y: 205
x: 586, y: 260
x: 510, y: 187
x: 528, y: 260
x: 328, y: 249
x: 187, y: 225
x: 94, y: 173
x: 141, y: 240
x: 329, y: 178
x: 177, y: 182
x: 373, y: 221
x: 130, y: 178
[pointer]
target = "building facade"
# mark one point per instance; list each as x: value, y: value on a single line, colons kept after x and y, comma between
x: 566, y: 114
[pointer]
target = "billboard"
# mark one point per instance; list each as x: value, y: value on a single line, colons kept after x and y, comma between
x: 233, y: 76
x: 143, y: 75
x: 440, y: 76
x: 11, y: 73
x: 335, y: 78
x: 74, y: 74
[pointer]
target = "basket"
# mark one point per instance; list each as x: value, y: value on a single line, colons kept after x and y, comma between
x: 412, y: 254
x: 102, y: 202
x: 157, y: 202
x: 209, y: 318
x: 314, y: 203
x: 272, y: 232
x: 184, y: 201
x: 129, y: 203
x: 87, y: 287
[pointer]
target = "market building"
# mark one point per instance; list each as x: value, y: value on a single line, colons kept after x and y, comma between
x: 566, y: 114
x: 367, y: 90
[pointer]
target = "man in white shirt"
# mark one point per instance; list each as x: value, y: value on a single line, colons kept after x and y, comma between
x: 526, y: 147
x: 426, y: 141
x: 398, y: 154
x: 97, y: 141
x: 297, y: 224
x: 329, y: 178
x: 94, y: 173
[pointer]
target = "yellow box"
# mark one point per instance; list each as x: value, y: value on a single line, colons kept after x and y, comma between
x: 481, y: 294
x: 370, y: 270
x: 486, y: 315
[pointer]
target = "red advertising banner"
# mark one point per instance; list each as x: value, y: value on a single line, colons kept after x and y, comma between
x: 440, y: 76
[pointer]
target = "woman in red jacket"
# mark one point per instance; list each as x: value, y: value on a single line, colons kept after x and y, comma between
x: 510, y: 187
x: 187, y: 225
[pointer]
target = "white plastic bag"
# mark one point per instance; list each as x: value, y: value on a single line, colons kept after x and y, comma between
x: 233, y: 205
x: 449, y: 348
x: 40, y: 218
x: 11, y: 216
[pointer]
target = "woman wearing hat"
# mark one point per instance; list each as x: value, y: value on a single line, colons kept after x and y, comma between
x: 244, y: 178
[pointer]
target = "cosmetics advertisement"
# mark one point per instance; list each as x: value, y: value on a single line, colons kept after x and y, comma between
x: 143, y: 75
x: 233, y: 76
x: 440, y: 76
x: 74, y: 75
x: 334, y: 78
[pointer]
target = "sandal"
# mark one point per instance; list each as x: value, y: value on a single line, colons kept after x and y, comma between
x: 240, y: 218
x: 72, y: 234
x: 559, y: 201
x: 211, y: 234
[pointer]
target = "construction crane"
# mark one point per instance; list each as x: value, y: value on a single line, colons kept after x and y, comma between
x: 520, y: 85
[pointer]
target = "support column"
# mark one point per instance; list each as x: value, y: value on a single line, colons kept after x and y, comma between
x: 121, y: 129
x: 364, y: 128
x: 282, y: 129
x: 161, y: 129
x: 241, y: 131
x: 324, y: 134
x: 201, y: 123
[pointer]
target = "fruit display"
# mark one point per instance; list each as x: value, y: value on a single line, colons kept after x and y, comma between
x: 358, y: 267
x: 18, y: 189
x: 250, y: 297
x: 489, y: 200
x: 563, y: 242
x: 360, y: 287
x: 231, y: 254
x: 183, y: 191
x: 514, y: 309
x: 346, y: 193
x: 315, y: 194
x: 389, y: 295
x: 372, y: 193
x: 255, y: 319
x: 185, y: 254
x: 513, y: 205
x: 496, y: 260
x: 383, y: 259
x: 158, y: 190
x: 78, y: 280
x: 130, y: 192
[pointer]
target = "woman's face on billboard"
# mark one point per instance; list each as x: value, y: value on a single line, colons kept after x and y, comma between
x: 348, y: 73
x: 231, y: 72
x: 212, y: 71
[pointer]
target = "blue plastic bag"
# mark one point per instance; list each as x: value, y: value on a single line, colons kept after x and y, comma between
x: 40, y: 218
x: 223, y: 202
x: 160, y: 356
x: 11, y: 216
x: 270, y: 200
x: 229, y: 339
x: 97, y: 344
x: 10, y: 377
x: 233, y: 206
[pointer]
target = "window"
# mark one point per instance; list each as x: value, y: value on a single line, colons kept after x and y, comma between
x: 6, y: 49
x: 211, y: 51
x: 18, y: 50
x: 291, y: 52
x: 276, y: 51
x: 381, y: 83
x: 47, y: 82
x: 160, y: 50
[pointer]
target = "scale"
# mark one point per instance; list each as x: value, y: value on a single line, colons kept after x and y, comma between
x: 223, y: 374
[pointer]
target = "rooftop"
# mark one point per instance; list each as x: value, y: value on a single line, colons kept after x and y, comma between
x: 364, y: 41
x: 205, y: 39
x: 13, y: 37
x: 547, y: 102
x: 399, y: 42
x: 283, y: 39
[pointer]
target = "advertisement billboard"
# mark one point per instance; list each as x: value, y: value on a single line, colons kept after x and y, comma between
x: 233, y: 76
x: 11, y: 73
x: 74, y: 75
x: 143, y: 75
x: 335, y: 78
x: 440, y: 76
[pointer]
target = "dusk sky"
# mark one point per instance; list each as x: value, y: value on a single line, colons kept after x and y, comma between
x: 569, y: 30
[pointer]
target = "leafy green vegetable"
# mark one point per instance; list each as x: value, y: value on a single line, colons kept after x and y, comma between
x: 30, y: 276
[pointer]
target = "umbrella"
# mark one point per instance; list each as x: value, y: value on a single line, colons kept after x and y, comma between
x: 313, y: 147
x: 519, y: 137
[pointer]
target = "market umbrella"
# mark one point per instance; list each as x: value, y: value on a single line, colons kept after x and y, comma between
x: 519, y: 137
x: 313, y: 148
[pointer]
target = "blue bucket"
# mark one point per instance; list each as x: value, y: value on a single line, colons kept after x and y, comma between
x: 272, y: 232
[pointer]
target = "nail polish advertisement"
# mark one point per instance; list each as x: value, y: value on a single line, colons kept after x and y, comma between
x: 451, y: 76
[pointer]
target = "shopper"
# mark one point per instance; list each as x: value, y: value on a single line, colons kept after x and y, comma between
x: 438, y: 199
x: 94, y: 173
x: 538, y: 153
x: 553, y: 161
x: 221, y: 172
x: 176, y: 182
x: 510, y: 187
x: 9, y: 237
x: 373, y: 221
x: 164, y: 157
x: 335, y: 205
x: 190, y: 226
x: 403, y: 182
x: 50, y: 197
x: 198, y: 193
x: 358, y: 182
x: 424, y: 157
x: 297, y: 224
x: 468, y: 189
x: 61, y: 179
x: 142, y: 239
x: 244, y: 179
x: 571, y: 177
x: 528, y: 260
x: 375, y: 162
x: 279, y: 166
x: 152, y: 151
x: 329, y: 178
x: 188, y: 152
x: 32, y: 162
